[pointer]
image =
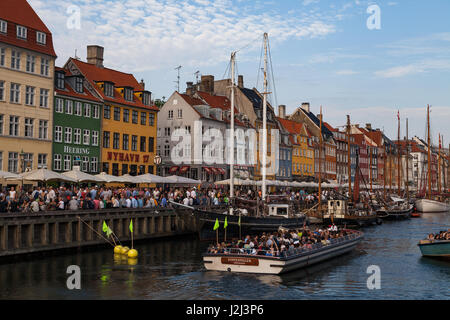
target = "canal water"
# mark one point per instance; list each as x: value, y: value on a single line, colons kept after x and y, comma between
x: 172, y: 269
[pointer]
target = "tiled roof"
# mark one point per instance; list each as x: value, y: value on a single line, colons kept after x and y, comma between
x: 325, y: 131
x: 214, y: 101
x: 20, y: 12
x: 69, y: 91
x: 120, y: 79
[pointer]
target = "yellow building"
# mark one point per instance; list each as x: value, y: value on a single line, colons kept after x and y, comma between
x: 302, y: 151
x: 27, y: 60
x: 129, y: 121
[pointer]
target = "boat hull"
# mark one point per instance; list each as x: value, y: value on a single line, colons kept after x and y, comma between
x: 436, y: 249
x: 353, y: 221
x: 269, y: 265
x: 426, y: 205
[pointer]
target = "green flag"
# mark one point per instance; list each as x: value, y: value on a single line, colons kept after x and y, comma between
x: 217, y: 225
x: 225, y: 225
x: 108, y: 232
x: 131, y: 225
x: 239, y: 221
x: 105, y: 227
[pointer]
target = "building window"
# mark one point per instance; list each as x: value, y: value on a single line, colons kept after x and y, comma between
x: 2, y: 90
x: 1, y: 124
x: 116, y: 140
x: 28, y: 127
x: 128, y: 94
x: 105, y: 166
x: 126, y: 115
x: 107, y: 112
x: 125, y: 142
x: 60, y: 80
x: 167, y: 132
x: 2, y: 56
x: 3, y: 26
x: 78, y: 107
x: 115, y: 169
x: 41, y: 37
x: 29, y: 96
x: 79, y: 84
x: 94, y: 164
x: 77, y: 136
x: 134, y: 142
x: 85, y: 164
x: 151, y: 169
x: 143, y: 118
x: 58, y: 134
x: 109, y: 89
x: 30, y: 63
x: 67, y: 162
x: 21, y: 32
x: 43, y: 129
x: 13, y: 160
x: 151, y: 144
x: 166, y: 150
x: 151, y: 119
x: 86, y: 137
x: 134, y: 116
x: 68, y: 135
x: 45, y: 65
x: 146, y: 98
x: 170, y: 116
x: 28, y: 160
x: 124, y: 169
x: 143, y: 144
x: 15, y: 59
x: 15, y: 93
x: 59, y: 105
x: 42, y: 160
x: 13, y: 126
x: 106, y: 138
x: 96, y: 111
x: 180, y: 113
x: 116, y: 113
x: 57, y: 162
x: 43, y: 102
x: 95, y: 138
x: 69, y: 107
x: 87, y: 110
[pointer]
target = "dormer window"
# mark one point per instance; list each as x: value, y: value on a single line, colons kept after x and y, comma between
x: 60, y: 80
x: 146, y: 98
x: 128, y: 94
x: 3, y: 26
x: 21, y: 32
x: 109, y: 89
x: 79, y: 84
x: 41, y: 38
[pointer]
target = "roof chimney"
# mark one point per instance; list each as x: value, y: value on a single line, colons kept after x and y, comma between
x: 282, y: 111
x: 241, y: 81
x: 95, y: 55
x: 142, y: 83
x: 190, y: 88
x: 305, y: 106
x: 207, y: 84
x: 369, y: 126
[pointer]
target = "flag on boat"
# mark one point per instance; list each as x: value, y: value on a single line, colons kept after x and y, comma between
x: 216, y: 225
x: 105, y: 227
x: 108, y: 232
x: 239, y: 221
x: 131, y: 225
x: 225, y: 225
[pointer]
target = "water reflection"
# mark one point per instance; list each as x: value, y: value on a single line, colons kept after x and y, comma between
x: 173, y: 269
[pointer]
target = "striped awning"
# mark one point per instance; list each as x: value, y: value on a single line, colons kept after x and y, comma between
x: 208, y: 170
x: 174, y: 169
x: 184, y: 169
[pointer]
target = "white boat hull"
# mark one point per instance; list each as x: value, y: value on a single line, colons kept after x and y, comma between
x: 426, y: 205
x: 269, y: 265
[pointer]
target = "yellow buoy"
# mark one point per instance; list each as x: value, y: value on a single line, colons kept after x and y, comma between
x: 132, y: 262
x: 132, y: 254
x: 118, y: 249
x: 125, y: 250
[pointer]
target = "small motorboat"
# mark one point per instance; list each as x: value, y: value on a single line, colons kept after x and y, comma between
x: 435, y: 248
x: 238, y: 260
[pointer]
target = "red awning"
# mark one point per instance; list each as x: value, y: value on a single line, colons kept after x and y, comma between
x: 173, y: 169
x: 208, y: 170
x: 184, y: 169
x: 221, y: 171
x: 215, y: 170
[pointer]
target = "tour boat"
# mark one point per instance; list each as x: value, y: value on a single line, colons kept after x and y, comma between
x: 401, y: 209
x: 427, y: 205
x: 233, y: 260
x: 340, y: 213
x: 435, y: 248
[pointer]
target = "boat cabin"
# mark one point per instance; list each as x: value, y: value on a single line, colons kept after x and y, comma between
x: 336, y: 208
x: 279, y: 210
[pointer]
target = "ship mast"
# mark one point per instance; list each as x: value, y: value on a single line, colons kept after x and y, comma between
x: 264, y: 158
x: 407, y: 160
x: 398, y: 156
x: 384, y: 167
x: 429, y: 152
x: 233, y: 56
x: 439, y: 165
x: 349, y: 168
x: 320, y: 162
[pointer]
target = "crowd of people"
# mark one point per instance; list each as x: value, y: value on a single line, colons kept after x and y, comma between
x: 97, y: 197
x: 443, y: 235
x: 280, y: 244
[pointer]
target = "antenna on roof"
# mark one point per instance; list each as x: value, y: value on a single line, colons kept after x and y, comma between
x: 196, y: 76
x: 178, y: 78
x: 76, y: 57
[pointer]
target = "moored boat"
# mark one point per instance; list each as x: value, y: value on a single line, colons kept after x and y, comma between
x: 435, y: 248
x: 235, y: 260
x: 427, y: 205
x: 340, y: 213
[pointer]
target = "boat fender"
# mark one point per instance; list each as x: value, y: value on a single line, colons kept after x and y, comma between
x: 229, y: 269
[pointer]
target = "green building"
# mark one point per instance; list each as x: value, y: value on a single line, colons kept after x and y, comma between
x: 76, y: 124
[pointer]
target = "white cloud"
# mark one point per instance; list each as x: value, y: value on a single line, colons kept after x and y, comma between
x: 142, y: 35
x: 414, y: 68
x: 346, y: 72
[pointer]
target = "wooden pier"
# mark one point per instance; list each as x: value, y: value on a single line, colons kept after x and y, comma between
x: 22, y: 233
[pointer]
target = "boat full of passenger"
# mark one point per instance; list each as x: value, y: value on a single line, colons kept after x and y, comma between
x: 281, y: 252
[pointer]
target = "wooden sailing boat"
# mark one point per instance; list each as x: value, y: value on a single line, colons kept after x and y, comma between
x: 429, y: 204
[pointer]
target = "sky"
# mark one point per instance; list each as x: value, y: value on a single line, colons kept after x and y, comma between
x: 323, y: 52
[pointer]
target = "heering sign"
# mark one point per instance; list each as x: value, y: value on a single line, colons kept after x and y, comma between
x: 76, y: 150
